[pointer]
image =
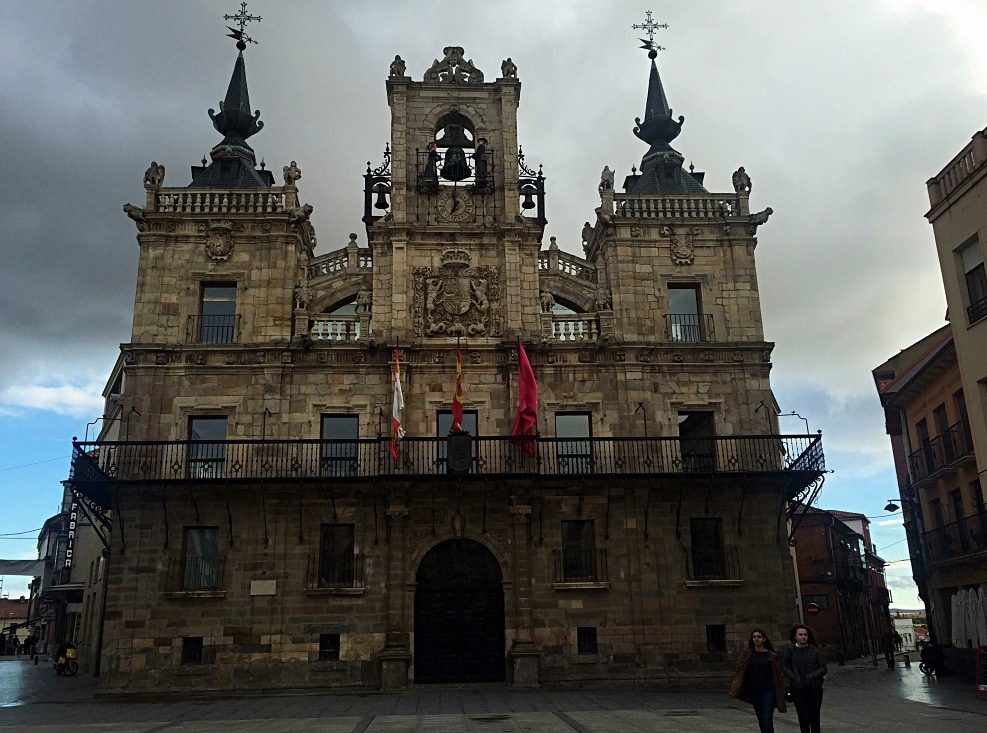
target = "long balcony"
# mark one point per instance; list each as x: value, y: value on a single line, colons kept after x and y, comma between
x: 942, y: 452
x: 797, y: 458
x: 963, y: 538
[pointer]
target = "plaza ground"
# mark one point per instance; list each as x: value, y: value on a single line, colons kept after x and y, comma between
x: 858, y: 697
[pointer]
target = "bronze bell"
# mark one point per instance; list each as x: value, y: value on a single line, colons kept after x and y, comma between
x: 454, y: 165
x: 527, y: 191
x: 381, y: 202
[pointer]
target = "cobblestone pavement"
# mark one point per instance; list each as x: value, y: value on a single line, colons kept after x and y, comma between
x: 858, y: 696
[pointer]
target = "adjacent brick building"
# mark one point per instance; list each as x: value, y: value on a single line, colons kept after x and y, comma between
x: 265, y: 534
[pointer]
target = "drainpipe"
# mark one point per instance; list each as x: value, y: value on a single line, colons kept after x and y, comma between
x: 97, y: 663
x: 836, y: 588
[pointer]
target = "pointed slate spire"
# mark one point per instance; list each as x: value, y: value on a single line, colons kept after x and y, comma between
x: 658, y: 128
x: 234, y: 164
x: 234, y: 119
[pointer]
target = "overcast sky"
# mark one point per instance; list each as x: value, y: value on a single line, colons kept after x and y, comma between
x: 839, y: 111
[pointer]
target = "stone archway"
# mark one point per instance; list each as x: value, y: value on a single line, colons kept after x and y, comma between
x: 459, y: 614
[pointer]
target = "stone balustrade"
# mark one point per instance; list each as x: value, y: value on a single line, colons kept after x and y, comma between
x: 574, y: 328
x: 212, y: 201
x: 336, y: 328
x: 350, y: 257
x: 959, y: 169
x: 709, y: 206
x: 555, y: 260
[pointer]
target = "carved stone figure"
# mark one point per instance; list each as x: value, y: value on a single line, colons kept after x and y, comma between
x: 397, y: 67
x: 741, y: 181
x: 291, y: 173
x: 302, y: 213
x: 431, y: 172
x: 299, y: 217
x: 606, y: 179
x: 364, y: 301
x: 453, y: 69
x: 587, y: 235
x: 219, y: 240
x: 480, y: 162
x: 508, y: 70
x: 154, y: 175
x: 302, y: 296
x: 761, y: 217
x: 547, y: 301
x: 602, y: 300
x: 137, y: 214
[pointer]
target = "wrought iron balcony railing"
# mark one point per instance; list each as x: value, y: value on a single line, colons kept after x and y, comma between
x: 968, y: 536
x: 195, y: 573
x: 976, y: 311
x: 580, y: 565
x: 341, y: 573
x: 714, y: 564
x: 942, y: 451
x: 207, y: 329
x: 689, y: 327
x: 369, y: 458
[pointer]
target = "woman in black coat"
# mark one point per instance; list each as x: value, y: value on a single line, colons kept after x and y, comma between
x: 805, y: 670
x: 758, y: 680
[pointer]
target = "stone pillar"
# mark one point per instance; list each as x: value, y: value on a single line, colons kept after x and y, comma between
x: 395, y: 659
x: 607, y: 332
x: 352, y: 255
x: 524, y: 654
x: 743, y: 204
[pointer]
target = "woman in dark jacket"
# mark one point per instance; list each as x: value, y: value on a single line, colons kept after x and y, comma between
x: 805, y: 669
x: 758, y: 680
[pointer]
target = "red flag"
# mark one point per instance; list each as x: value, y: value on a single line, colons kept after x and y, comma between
x: 397, y: 404
x: 526, y: 417
x: 457, y: 400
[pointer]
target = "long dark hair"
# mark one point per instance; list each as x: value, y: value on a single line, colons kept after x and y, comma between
x: 796, y: 627
x: 767, y: 641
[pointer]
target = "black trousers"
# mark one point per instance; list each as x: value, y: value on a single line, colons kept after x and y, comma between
x: 808, y: 701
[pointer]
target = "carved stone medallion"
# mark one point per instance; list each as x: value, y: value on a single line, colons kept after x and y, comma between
x: 219, y: 240
x: 456, y: 299
x: 683, y: 247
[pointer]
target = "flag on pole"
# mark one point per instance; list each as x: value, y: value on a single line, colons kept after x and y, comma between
x: 526, y: 417
x: 397, y: 404
x: 457, y: 399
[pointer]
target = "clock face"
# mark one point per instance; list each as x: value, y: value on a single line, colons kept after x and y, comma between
x: 455, y: 205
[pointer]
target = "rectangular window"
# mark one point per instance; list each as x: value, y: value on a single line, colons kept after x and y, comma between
x: 191, y: 650
x: 574, y: 455
x: 938, y: 515
x: 339, y: 444
x: 820, y: 600
x: 207, y: 459
x: 716, y: 638
x: 708, y: 559
x: 217, y: 318
x: 942, y: 430
x: 200, y: 558
x: 685, y: 320
x: 443, y: 424
x: 586, y: 640
x: 578, y: 551
x: 698, y: 451
x: 971, y: 258
x: 328, y: 647
x: 336, y: 558
x: 922, y: 428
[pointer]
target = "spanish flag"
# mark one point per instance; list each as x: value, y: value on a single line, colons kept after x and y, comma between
x: 457, y: 399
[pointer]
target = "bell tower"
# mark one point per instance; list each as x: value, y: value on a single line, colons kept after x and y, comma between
x: 454, y: 216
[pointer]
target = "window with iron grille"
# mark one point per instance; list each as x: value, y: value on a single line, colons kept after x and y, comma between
x: 328, y: 647
x: 339, y: 447
x: 574, y: 454
x: 192, y: 650
x: 443, y: 424
x: 716, y: 637
x: 708, y: 557
x: 217, y: 319
x: 685, y: 319
x: 971, y: 260
x: 586, y: 640
x: 208, y: 459
x: 336, y: 558
x: 578, y: 551
x: 200, y: 558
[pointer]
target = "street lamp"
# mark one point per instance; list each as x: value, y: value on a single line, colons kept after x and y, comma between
x: 891, y: 506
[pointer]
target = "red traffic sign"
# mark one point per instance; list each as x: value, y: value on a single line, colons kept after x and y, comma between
x: 812, y: 609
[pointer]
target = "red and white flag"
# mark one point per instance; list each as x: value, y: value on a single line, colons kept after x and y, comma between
x: 397, y: 404
x: 457, y: 399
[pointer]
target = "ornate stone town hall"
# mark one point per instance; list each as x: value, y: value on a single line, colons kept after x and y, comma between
x: 269, y: 530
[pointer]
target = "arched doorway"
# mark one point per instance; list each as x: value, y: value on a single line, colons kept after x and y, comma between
x: 459, y: 615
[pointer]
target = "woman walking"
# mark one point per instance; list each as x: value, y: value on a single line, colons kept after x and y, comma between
x: 758, y: 680
x: 805, y: 669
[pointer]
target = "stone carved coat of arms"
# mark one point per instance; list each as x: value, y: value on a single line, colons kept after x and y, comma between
x: 219, y: 240
x: 456, y: 299
x: 683, y: 246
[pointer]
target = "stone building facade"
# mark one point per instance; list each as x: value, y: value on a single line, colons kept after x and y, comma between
x: 266, y: 536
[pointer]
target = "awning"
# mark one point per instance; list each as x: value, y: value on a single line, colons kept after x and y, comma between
x: 30, y: 568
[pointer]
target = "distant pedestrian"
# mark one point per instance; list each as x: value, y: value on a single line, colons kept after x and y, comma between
x: 898, y: 641
x: 758, y: 680
x: 805, y: 669
x: 888, y: 646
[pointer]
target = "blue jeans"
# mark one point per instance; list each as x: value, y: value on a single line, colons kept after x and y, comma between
x: 764, y: 709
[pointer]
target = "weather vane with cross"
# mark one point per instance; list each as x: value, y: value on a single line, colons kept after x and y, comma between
x: 649, y: 26
x: 241, y: 19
